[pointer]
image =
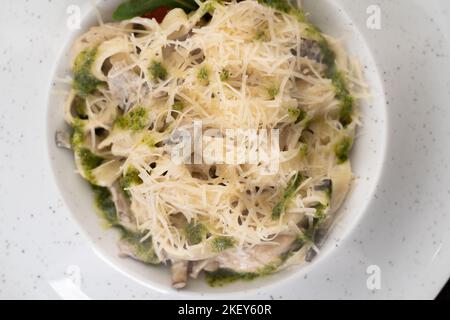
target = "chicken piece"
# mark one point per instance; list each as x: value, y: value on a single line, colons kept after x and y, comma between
x: 256, y: 258
x: 204, y: 265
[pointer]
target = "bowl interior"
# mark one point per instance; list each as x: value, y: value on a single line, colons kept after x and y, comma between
x: 367, y: 158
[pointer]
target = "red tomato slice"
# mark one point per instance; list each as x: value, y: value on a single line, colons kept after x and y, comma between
x: 158, y: 14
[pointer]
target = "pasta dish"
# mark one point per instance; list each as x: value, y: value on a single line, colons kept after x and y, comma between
x: 215, y: 134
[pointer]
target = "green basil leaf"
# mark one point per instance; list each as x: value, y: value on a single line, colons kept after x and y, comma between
x: 288, y: 194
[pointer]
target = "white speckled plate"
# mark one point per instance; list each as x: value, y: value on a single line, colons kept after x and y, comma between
x: 395, y: 223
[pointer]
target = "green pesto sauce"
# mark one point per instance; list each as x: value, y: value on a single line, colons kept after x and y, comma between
x: 80, y: 107
x: 131, y: 178
x: 203, y: 74
x: 77, y: 138
x: 320, y: 214
x: 222, y: 243
x: 340, y: 87
x: 178, y: 106
x: 342, y: 149
x: 224, y: 75
x: 298, y: 114
x: 307, y: 236
x: 84, y: 81
x: 337, y: 77
x: 134, y: 120
x: 303, y: 150
x: 261, y: 36
x: 104, y: 202
x: 89, y: 161
x: 157, y: 70
x: 329, y: 58
x: 143, y: 249
x: 222, y: 277
x: 319, y: 218
x: 148, y: 140
x: 210, y: 7
x: 346, y: 110
x: 343, y: 95
x: 195, y: 232
x: 288, y: 194
x: 297, y: 245
x: 273, y: 92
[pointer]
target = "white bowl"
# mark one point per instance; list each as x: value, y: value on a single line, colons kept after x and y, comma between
x: 367, y: 160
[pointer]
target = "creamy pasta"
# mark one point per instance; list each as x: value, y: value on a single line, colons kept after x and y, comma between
x: 258, y: 68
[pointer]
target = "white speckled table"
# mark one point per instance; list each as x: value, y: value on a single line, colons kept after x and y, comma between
x: 43, y: 255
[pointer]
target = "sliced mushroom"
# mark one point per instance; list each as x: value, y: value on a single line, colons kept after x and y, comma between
x: 320, y: 235
x: 197, y: 55
x: 62, y: 140
x: 336, y: 187
x: 326, y: 185
x: 125, y: 86
x: 310, y: 49
x: 179, y: 270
